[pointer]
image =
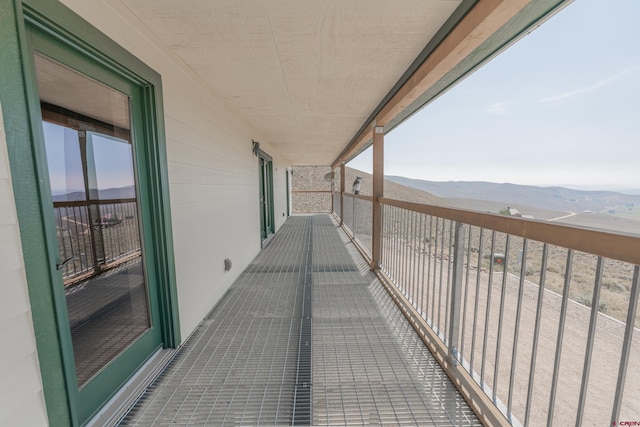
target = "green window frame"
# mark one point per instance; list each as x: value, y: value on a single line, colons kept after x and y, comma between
x: 70, y: 35
x: 267, y: 217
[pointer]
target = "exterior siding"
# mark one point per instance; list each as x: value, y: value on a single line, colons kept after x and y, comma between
x: 21, y: 393
x: 213, y: 175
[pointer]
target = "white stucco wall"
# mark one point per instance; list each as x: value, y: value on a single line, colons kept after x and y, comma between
x: 21, y: 392
x: 213, y: 174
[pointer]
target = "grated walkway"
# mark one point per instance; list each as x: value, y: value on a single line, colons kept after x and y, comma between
x: 305, y: 336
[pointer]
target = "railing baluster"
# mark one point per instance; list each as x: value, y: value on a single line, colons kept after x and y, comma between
x: 416, y: 259
x: 595, y: 303
x: 421, y: 264
x: 536, y: 332
x: 503, y: 292
x: 563, y: 315
x: 385, y: 239
x: 439, y: 323
x: 405, y: 260
x: 626, y: 345
x: 407, y: 254
x: 467, y: 266
x: 477, y: 300
x: 488, y: 311
x: 430, y: 283
x: 408, y: 260
x: 399, y: 234
x: 516, y: 329
x: 403, y: 253
x: 393, y: 227
x: 413, y: 259
x: 456, y: 288
x: 394, y: 246
x: 398, y: 251
x: 448, y: 281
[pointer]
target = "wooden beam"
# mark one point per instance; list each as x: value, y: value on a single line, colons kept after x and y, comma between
x: 342, y: 178
x: 378, y: 192
x: 474, y: 29
x: 486, y: 17
x: 608, y: 244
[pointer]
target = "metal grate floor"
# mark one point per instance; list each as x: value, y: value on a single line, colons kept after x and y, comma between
x: 306, y: 335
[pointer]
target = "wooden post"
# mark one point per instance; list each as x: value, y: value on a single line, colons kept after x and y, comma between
x: 378, y: 192
x: 342, y: 178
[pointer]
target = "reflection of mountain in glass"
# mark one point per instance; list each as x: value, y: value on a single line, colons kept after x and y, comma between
x: 128, y: 192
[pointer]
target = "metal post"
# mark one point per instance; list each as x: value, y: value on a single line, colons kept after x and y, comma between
x: 378, y: 192
x: 561, y: 324
x: 586, y: 367
x: 456, y: 293
x: 342, y: 177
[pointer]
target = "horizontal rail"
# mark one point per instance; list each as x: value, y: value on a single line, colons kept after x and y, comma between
x: 311, y: 191
x: 359, y: 196
x: 95, y: 236
x: 74, y: 203
x: 619, y: 246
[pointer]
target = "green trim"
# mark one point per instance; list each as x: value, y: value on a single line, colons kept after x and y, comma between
x: 160, y: 214
x: 60, y: 29
x: 14, y: 87
x: 267, y: 216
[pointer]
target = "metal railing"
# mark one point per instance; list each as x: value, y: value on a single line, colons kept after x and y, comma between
x: 539, y: 318
x: 337, y: 202
x: 358, y: 218
x: 94, y: 236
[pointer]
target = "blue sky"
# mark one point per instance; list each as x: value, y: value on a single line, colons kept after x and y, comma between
x: 112, y: 159
x: 560, y: 107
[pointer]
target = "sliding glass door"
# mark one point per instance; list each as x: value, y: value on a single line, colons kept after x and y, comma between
x: 113, y: 274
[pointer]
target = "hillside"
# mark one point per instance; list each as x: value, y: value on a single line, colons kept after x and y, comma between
x: 306, y: 178
x: 551, y: 198
x: 392, y: 190
x: 596, y: 209
x: 128, y: 192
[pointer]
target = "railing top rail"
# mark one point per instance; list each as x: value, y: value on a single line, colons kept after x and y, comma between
x: 619, y: 246
x: 359, y: 196
x: 311, y: 191
x: 74, y: 203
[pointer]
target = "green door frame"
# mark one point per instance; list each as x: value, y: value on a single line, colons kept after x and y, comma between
x: 18, y: 88
x: 267, y: 228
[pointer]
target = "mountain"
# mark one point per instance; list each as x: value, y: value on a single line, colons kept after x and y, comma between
x: 393, y: 190
x: 128, y: 192
x: 550, y: 198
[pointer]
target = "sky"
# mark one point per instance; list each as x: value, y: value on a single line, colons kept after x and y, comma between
x: 559, y: 107
x: 112, y: 160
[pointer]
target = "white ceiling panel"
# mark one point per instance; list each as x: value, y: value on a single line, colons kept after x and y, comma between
x: 305, y: 74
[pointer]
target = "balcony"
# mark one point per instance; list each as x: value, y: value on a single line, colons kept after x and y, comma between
x: 506, y: 305
x: 308, y: 336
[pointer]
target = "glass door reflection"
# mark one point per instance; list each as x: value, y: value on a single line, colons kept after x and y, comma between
x: 91, y: 172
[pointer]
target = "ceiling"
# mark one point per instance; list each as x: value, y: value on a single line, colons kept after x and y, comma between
x: 307, y: 75
x: 304, y: 74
